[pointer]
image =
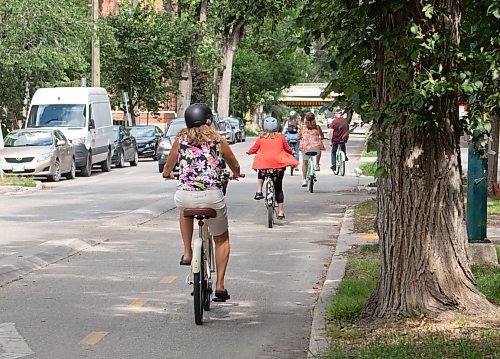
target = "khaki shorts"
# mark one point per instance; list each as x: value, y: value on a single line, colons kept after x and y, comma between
x: 205, y: 199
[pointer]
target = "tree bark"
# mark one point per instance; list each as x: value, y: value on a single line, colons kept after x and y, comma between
x: 421, y: 223
x: 185, y: 88
x: 493, y: 155
x: 228, y: 50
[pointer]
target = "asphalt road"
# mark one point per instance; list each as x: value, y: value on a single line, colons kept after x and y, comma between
x: 126, y: 296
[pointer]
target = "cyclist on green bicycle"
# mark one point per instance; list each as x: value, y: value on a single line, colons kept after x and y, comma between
x: 201, y: 152
x: 311, y: 137
x: 338, y: 134
x: 272, y: 152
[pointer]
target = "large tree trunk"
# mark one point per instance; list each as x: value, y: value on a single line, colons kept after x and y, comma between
x: 493, y: 155
x: 421, y: 222
x: 185, y: 88
x: 228, y: 50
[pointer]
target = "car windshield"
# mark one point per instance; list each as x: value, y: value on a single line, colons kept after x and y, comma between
x: 116, y: 132
x: 23, y: 139
x: 61, y: 115
x: 235, y: 122
x: 141, y: 132
x: 174, y: 128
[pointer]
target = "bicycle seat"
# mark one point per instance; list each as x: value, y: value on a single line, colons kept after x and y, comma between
x: 311, y: 153
x: 204, y: 212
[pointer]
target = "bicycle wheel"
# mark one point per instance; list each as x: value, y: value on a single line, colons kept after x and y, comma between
x: 342, y: 163
x: 310, y: 175
x: 338, y: 157
x: 270, y: 203
x: 207, y: 283
x: 291, y: 170
x: 199, y: 294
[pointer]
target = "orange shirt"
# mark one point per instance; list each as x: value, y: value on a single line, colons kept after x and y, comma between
x: 272, y: 153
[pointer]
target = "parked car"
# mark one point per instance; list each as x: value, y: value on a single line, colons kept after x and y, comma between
x: 228, y: 131
x: 238, y: 126
x: 83, y: 114
x: 125, y: 147
x: 168, y: 139
x: 38, y: 152
x: 148, y: 139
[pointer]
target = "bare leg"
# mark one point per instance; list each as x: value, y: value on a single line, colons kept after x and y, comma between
x: 186, y: 225
x: 222, y: 249
x: 318, y: 158
x: 304, y: 169
x: 281, y: 209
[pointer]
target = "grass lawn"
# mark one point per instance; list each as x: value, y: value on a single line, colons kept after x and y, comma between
x: 404, y: 338
x: 364, y: 216
x: 17, y: 181
x: 369, y: 154
x: 368, y: 168
x: 494, y: 205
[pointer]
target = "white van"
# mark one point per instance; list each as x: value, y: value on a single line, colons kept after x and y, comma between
x: 83, y: 114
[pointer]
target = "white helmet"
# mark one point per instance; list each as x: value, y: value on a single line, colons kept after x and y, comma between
x: 270, y: 124
x: 293, y: 113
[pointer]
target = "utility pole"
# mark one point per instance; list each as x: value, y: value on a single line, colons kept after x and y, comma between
x: 95, y: 62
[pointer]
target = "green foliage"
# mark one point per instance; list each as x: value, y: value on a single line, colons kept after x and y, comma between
x: 369, y: 168
x: 140, y: 48
x: 261, y: 71
x: 43, y: 43
x: 421, y: 67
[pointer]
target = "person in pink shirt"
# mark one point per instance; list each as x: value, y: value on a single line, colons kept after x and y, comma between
x: 272, y: 152
x: 311, y: 140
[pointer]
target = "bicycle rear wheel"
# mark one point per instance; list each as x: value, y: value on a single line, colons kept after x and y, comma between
x: 342, y: 163
x: 339, y: 160
x: 207, y: 283
x: 291, y: 170
x: 199, y: 294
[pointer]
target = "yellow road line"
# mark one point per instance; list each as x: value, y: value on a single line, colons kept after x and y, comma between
x: 169, y: 279
x: 93, y: 338
x: 138, y: 303
x: 369, y: 236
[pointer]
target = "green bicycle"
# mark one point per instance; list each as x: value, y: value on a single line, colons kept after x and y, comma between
x: 340, y: 159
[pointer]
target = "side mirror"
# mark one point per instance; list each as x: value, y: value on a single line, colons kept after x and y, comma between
x: 60, y: 142
x: 91, y: 124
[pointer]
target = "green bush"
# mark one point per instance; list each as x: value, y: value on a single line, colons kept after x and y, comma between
x: 368, y: 168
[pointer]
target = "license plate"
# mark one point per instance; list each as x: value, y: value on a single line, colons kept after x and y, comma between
x: 17, y: 168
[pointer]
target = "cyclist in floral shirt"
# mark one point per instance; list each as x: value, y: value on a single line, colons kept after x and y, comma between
x: 202, y: 155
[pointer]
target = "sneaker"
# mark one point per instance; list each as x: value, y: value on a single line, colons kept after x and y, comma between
x: 304, y: 183
x: 333, y: 168
x: 316, y: 168
x: 346, y: 159
x: 258, y: 195
x: 296, y: 168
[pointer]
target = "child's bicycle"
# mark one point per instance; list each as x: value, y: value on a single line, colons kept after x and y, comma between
x: 270, y: 195
x: 311, y: 171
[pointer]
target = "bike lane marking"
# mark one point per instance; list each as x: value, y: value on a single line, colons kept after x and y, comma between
x: 138, y: 303
x: 167, y: 280
x: 12, y: 344
x: 93, y: 338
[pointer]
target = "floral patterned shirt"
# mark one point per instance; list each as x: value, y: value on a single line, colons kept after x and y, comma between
x: 200, y: 167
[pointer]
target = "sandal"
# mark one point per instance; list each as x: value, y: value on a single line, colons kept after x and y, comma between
x: 221, y: 296
x: 184, y: 263
x: 281, y: 217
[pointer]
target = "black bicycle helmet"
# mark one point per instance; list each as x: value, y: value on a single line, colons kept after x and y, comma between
x: 197, y: 115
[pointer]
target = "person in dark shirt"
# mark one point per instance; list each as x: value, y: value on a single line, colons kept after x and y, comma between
x: 338, y: 134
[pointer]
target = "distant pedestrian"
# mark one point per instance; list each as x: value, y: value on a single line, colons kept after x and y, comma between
x: 339, y: 135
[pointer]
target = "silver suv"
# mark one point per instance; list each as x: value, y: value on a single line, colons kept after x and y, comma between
x: 168, y: 139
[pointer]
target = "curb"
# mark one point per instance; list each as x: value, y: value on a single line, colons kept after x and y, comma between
x: 319, y: 342
x: 41, y: 256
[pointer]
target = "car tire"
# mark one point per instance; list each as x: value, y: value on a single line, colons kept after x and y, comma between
x: 86, y: 170
x: 57, y: 172
x: 106, y: 164
x: 135, y: 161
x: 120, y: 162
x: 72, y: 173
